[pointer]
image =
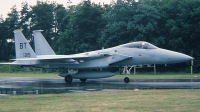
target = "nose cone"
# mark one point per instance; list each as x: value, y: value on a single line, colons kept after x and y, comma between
x: 181, y: 57
x: 174, y: 57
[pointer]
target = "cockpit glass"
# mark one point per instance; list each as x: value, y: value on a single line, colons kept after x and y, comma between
x: 140, y: 45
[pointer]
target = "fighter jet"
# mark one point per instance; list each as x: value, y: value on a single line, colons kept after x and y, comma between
x: 89, y: 65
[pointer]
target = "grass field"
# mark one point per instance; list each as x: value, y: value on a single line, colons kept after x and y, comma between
x: 154, y: 100
x: 185, y: 100
x: 38, y: 74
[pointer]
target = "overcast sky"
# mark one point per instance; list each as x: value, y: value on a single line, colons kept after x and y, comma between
x: 5, y: 5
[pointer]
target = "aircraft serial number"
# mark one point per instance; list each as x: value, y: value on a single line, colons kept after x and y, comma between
x: 26, y: 55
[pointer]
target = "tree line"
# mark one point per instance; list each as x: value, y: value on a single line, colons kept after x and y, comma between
x: 169, y: 24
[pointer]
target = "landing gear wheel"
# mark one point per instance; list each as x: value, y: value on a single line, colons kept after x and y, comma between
x: 83, y: 80
x: 126, y: 80
x: 68, y: 79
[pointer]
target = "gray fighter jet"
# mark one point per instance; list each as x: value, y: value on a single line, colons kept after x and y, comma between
x: 89, y: 65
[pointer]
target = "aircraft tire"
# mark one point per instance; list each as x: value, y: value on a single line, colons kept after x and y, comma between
x: 68, y: 79
x: 126, y: 80
x: 83, y: 80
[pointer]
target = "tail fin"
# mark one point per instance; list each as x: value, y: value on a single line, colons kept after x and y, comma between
x: 22, y: 47
x: 41, y: 45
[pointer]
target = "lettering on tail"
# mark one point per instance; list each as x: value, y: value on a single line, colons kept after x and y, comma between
x: 26, y: 55
x: 22, y: 45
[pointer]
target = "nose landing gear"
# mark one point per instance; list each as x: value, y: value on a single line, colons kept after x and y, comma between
x: 126, y: 80
x: 126, y: 71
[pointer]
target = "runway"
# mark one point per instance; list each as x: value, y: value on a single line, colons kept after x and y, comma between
x: 24, y: 85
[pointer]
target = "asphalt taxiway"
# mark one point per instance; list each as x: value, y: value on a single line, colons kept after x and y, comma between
x: 24, y: 85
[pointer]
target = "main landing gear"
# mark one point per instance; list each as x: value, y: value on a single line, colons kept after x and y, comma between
x: 68, y: 79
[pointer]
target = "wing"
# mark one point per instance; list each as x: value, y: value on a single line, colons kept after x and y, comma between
x: 82, y: 56
x: 54, y: 57
x: 60, y: 59
x: 70, y: 59
x: 119, y: 58
x: 19, y: 63
x: 48, y: 59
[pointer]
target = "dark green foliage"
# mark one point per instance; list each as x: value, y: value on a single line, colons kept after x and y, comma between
x: 169, y: 24
x: 125, y: 23
x: 6, y: 32
x: 82, y: 29
x: 11, y: 68
x: 42, y: 18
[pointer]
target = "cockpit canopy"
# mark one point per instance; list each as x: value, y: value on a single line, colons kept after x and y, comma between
x: 139, y: 45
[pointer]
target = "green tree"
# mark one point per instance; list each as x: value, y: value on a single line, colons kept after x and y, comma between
x: 7, y: 27
x: 82, y: 31
x: 130, y: 21
x: 2, y: 39
x: 42, y: 18
x: 59, y: 13
x: 24, y: 22
x: 181, y: 25
x: 115, y: 31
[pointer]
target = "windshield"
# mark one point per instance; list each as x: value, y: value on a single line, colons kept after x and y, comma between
x: 140, y: 45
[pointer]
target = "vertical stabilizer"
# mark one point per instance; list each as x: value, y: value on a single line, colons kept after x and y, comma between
x: 22, y: 46
x: 41, y: 45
